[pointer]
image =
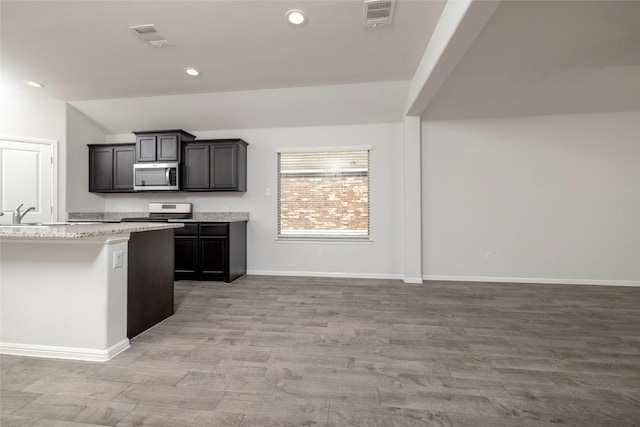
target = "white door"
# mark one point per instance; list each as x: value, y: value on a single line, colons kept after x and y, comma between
x: 26, y: 177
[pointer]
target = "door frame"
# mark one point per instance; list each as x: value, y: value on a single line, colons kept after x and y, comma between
x: 54, y: 169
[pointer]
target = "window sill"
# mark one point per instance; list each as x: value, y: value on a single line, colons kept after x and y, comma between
x: 327, y: 240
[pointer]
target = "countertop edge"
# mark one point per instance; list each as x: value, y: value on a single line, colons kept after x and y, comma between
x: 197, y: 216
x: 80, y: 231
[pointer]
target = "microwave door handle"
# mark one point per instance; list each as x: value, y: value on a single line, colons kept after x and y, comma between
x: 167, y: 176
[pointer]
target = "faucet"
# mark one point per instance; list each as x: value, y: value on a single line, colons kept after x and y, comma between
x: 17, y: 216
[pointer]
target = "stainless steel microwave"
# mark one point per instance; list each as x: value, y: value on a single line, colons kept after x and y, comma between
x: 156, y: 177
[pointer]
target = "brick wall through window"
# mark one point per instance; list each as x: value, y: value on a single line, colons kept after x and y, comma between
x: 324, y: 203
x: 319, y: 200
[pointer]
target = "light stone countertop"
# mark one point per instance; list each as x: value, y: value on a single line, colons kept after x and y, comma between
x: 80, y: 230
x: 218, y: 217
x: 197, y: 216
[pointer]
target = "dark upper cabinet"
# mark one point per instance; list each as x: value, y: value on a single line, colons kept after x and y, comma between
x: 101, y: 168
x: 225, y: 165
x: 146, y: 149
x: 207, y: 165
x: 168, y: 148
x: 160, y: 146
x: 215, y: 165
x: 197, y: 167
x: 111, y: 168
x: 123, y: 159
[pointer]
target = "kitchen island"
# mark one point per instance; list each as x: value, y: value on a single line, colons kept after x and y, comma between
x: 212, y: 246
x: 70, y: 290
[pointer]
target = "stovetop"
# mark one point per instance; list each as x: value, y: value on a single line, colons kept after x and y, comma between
x: 164, y: 211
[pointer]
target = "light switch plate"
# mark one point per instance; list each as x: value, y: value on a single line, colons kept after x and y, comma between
x: 117, y: 259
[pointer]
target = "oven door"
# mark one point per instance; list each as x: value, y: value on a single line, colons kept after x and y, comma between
x: 156, y: 177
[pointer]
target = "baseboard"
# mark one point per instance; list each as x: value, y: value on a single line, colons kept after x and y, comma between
x: 326, y: 274
x: 418, y: 280
x: 73, y: 353
x: 533, y: 280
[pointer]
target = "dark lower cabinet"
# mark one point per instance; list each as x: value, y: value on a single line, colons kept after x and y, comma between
x: 213, y: 257
x: 186, y: 251
x: 150, y: 273
x: 211, y: 251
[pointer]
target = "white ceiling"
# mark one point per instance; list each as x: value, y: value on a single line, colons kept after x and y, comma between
x: 532, y: 57
x: 547, y: 57
x: 83, y: 50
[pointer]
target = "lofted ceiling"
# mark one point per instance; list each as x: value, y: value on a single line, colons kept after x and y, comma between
x: 83, y: 50
x: 532, y: 57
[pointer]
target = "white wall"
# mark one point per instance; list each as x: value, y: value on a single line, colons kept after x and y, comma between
x: 34, y: 117
x: 346, y: 104
x: 381, y: 258
x: 81, y: 130
x: 60, y: 298
x: 553, y: 198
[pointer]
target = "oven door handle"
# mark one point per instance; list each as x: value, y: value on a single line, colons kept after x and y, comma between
x: 167, y: 176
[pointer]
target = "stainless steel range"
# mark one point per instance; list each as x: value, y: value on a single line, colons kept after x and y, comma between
x: 164, y: 211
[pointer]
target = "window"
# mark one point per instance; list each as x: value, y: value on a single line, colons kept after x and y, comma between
x: 323, y: 194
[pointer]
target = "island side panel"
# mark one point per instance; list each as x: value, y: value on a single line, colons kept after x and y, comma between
x: 237, y: 251
x: 63, y: 298
x: 150, y: 279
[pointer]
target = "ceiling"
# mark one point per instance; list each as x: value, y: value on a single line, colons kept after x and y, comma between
x: 83, y: 50
x: 531, y: 58
x: 547, y: 57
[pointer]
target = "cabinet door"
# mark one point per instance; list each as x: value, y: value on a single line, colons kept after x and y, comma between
x: 213, y: 257
x: 100, y: 169
x: 146, y: 149
x: 186, y: 257
x: 196, y: 167
x: 224, y: 161
x: 168, y: 148
x: 123, y: 159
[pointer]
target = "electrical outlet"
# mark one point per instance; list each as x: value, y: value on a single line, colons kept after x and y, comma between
x: 320, y: 253
x: 267, y: 191
x: 117, y: 259
x: 488, y: 256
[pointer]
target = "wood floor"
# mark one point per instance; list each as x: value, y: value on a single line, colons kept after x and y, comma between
x: 284, y: 351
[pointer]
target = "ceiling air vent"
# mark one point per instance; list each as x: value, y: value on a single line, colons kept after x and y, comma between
x: 378, y: 12
x: 148, y: 33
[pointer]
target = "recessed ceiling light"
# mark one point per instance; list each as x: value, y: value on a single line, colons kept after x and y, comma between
x: 32, y: 84
x: 296, y: 17
x: 192, y: 71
